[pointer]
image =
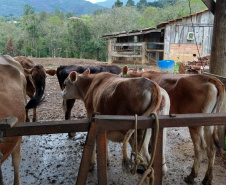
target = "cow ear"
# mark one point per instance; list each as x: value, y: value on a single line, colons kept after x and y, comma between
x: 135, y: 69
x: 73, y: 76
x: 86, y: 72
x: 125, y: 70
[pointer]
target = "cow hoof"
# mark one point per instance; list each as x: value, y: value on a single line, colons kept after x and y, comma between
x: 71, y: 134
x: 189, y: 180
x: 27, y: 120
x: 206, y: 181
x: 34, y: 120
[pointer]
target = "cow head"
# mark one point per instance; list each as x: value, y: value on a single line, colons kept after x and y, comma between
x: 73, y: 84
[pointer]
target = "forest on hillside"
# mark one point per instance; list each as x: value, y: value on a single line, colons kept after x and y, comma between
x: 60, y: 34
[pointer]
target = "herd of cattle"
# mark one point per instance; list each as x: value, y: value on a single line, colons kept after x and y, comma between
x: 112, y: 90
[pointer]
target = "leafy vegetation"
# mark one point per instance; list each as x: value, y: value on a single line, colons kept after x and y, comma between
x: 59, y: 34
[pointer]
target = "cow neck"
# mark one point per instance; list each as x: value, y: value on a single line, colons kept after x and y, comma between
x: 83, y: 85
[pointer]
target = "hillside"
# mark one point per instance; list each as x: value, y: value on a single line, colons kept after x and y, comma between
x: 15, y: 7
x: 110, y: 3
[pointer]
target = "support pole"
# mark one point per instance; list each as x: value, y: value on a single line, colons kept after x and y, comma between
x: 218, y: 51
x: 158, y: 159
x: 101, y: 158
x: 87, y: 154
x: 109, y: 52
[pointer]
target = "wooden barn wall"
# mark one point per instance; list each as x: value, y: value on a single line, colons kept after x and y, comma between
x: 176, y: 33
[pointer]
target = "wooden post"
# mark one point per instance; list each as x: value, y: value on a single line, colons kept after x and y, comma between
x: 143, y: 51
x: 218, y: 51
x: 109, y: 52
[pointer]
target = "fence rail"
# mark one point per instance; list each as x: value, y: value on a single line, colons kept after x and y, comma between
x: 97, y: 128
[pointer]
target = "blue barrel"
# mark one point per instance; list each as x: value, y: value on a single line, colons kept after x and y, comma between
x: 166, y: 65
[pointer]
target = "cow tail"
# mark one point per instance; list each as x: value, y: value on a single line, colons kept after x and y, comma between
x: 156, y: 99
x: 220, y: 93
x: 216, y: 141
x: 39, y: 82
x: 220, y: 98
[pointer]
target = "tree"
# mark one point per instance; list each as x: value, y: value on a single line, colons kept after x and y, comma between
x: 28, y: 10
x: 118, y: 3
x: 130, y: 3
x: 10, y: 48
x: 141, y: 5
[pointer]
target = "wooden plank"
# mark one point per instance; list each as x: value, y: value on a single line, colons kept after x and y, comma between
x: 121, y: 55
x: 101, y: 158
x: 119, y: 122
x: 167, y: 43
x: 158, y: 159
x: 109, y: 122
x: 109, y: 51
x: 87, y: 154
x: 128, y: 44
x: 47, y: 127
x: 211, y: 5
x: 155, y: 50
x: 8, y: 122
x: 158, y: 43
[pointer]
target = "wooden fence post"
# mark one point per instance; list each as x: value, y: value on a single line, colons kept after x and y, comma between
x: 109, y: 51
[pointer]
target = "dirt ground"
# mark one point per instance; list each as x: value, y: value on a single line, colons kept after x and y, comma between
x: 54, y: 159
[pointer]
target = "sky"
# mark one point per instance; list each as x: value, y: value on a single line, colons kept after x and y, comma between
x: 95, y: 1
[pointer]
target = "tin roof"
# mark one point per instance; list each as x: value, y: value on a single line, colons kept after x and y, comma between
x: 149, y: 29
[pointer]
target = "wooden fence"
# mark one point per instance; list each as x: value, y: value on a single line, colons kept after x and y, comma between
x: 97, y: 128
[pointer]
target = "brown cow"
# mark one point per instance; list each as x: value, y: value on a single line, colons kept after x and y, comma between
x: 35, y: 75
x: 12, y: 103
x: 109, y: 94
x: 192, y: 93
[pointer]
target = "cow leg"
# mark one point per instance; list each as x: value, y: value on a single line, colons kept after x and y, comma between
x: 197, y: 139
x: 27, y: 117
x: 145, y: 151
x: 34, y: 119
x: 211, y: 151
x: 16, y: 158
x: 107, y: 149
x: 67, y: 106
x: 164, y: 167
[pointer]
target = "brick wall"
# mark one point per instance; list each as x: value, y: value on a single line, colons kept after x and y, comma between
x: 184, y: 52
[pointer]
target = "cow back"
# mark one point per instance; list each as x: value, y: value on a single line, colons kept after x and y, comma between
x: 111, y: 95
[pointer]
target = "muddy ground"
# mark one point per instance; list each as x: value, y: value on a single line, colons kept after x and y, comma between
x: 54, y: 159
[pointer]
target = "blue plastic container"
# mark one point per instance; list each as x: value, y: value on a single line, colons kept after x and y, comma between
x: 166, y: 65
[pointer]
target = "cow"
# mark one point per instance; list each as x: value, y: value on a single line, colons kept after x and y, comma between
x: 191, y: 93
x: 35, y: 75
x: 109, y: 94
x: 12, y: 104
x: 62, y: 73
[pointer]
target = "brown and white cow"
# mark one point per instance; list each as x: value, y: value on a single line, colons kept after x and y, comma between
x: 12, y: 103
x: 35, y: 75
x: 192, y: 93
x: 108, y: 94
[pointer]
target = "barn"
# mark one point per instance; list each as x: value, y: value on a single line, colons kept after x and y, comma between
x: 180, y: 39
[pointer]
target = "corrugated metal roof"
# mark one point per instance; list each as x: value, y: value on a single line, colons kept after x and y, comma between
x: 174, y: 20
x: 148, y: 30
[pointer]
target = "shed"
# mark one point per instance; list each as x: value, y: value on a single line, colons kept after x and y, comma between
x: 180, y: 39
